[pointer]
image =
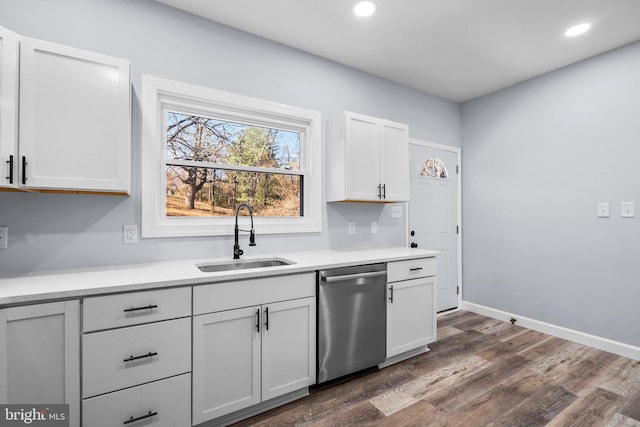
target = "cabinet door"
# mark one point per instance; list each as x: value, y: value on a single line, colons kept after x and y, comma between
x: 288, y: 347
x: 74, y: 119
x: 394, y: 161
x: 226, y: 362
x: 411, y: 314
x: 39, y: 355
x: 363, y: 157
x: 8, y: 108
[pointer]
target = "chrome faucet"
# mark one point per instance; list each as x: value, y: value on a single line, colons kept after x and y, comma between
x: 252, y: 234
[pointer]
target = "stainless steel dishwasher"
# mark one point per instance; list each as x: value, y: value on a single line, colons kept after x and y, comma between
x: 352, y: 320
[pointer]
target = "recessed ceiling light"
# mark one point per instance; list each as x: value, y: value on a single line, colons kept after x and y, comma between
x: 576, y: 30
x: 364, y: 8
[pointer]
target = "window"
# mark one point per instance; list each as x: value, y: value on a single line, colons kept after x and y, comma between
x: 433, y: 167
x: 205, y: 151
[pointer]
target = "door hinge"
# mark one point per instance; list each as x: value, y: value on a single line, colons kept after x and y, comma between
x: 457, y: 229
x: 457, y: 168
x: 457, y: 290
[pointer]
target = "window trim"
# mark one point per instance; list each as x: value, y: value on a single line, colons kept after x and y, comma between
x: 159, y: 94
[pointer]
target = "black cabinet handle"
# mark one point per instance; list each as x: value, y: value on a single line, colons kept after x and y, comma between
x: 379, y: 191
x: 10, y: 163
x: 24, y: 170
x: 391, y: 294
x: 266, y: 318
x: 143, y: 356
x: 384, y: 191
x: 258, y: 320
x: 415, y: 269
x: 147, y: 307
x: 133, y: 420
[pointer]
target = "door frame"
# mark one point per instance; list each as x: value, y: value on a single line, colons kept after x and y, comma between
x: 458, y: 152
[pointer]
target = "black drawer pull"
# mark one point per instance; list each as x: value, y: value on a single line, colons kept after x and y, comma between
x: 133, y: 420
x: 24, y: 170
x: 132, y: 309
x: 391, y: 294
x: 10, y: 163
x: 144, y: 356
x: 415, y: 269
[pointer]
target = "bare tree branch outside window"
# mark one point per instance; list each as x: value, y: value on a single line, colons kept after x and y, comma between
x: 214, y: 164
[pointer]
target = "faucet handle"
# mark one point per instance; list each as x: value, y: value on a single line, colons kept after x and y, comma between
x: 252, y: 237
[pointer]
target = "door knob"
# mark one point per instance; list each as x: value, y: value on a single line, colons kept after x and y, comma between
x: 414, y: 245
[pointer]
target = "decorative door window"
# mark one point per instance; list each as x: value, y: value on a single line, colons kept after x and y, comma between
x: 433, y: 167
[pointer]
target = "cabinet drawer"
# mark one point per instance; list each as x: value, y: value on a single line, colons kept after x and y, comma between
x: 411, y: 269
x: 114, y: 311
x: 245, y: 293
x: 125, y: 357
x: 169, y: 400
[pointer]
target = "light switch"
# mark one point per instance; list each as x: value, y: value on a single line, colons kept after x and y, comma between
x: 4, y: 235
x: 627, y: 209
x: 603, y: 210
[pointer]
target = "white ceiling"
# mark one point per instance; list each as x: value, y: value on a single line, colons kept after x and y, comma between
x: 456, y: 49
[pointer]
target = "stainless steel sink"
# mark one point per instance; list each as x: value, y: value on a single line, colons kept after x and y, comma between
x: 242, y: 265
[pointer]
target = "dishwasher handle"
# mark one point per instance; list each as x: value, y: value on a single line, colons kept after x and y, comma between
x: 331, y: 279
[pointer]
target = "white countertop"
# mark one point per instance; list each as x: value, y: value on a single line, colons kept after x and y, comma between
x: 95, y: 281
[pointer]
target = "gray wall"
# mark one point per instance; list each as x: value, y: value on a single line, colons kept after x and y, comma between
x: 50, y: 232
x: 537, y: 159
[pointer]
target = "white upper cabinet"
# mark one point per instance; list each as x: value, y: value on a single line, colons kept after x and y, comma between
x: 74, y: 119
x: 367, y: 159
x: 9, y: 43
x: 394, y: 161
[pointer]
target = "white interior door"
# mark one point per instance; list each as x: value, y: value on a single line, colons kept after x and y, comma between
x: 433, y: 213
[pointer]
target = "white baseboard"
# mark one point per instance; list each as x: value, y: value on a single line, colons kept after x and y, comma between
x: 594, y: 341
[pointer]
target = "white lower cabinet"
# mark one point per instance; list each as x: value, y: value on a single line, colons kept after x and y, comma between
x: 40, y: 355
x: 288, y: 347
x: 411, y: 305
x: 136, y: 359
x: 164, y: 403
x: 248, y: 355
x: 226, y: 362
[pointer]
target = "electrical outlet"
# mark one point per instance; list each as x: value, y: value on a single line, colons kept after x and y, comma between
x: 396, y: 211
x: 603, y: 210
x: 352, y: 227
x: 4, y: 235
x: 627, y: 209
x: 130, y: 234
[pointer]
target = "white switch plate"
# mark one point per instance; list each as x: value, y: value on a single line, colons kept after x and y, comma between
x: 374, y: 227
x: 627, y: 209
x: 603, y: 210
x: 130, y: 234
x: 4, y: 235
x: 351, y: 227
x: 396, y: 211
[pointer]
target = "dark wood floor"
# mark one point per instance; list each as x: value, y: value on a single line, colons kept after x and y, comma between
x: 481, y: 372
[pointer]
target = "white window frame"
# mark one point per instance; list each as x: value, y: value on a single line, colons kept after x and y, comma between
x: 160, y: 95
